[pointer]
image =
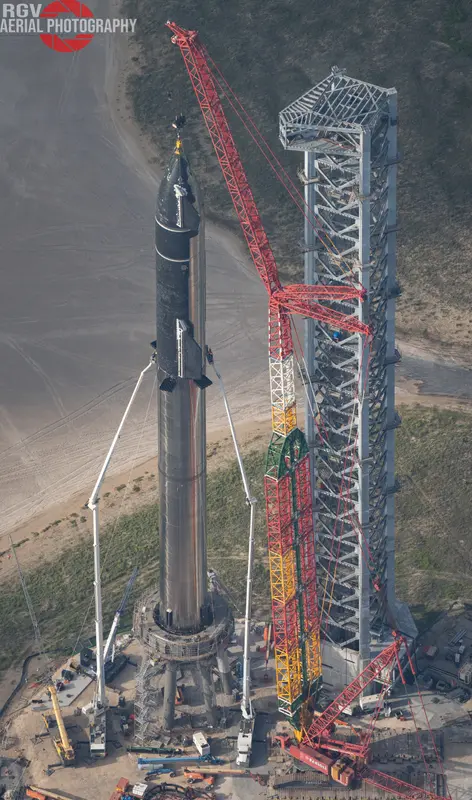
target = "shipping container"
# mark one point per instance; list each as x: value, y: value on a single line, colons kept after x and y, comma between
x: 201, y: 744
x: 122, y: 785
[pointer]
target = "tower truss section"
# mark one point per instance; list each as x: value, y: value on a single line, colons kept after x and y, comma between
x: 346, y: 130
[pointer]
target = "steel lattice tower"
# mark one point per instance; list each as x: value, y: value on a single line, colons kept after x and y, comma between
x: 347, y: 132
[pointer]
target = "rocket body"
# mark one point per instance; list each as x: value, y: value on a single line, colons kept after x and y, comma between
x: 180, y: 356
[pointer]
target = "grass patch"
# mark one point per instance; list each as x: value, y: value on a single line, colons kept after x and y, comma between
x: 62, y: 591
x: 433, y: 548
x: 21, y: 542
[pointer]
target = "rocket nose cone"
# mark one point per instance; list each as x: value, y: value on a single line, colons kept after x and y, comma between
x: 178, y: 195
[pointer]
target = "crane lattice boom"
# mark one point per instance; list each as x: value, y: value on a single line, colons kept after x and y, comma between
x: 287, y: 482
x: 351, y: 692
x: 288, y: 479
x: 395, y: 786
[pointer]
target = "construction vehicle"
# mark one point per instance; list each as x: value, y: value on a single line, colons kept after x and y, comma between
x: 159, y: 770
x: 62, y: 742
x: 292, y: 561
x: 209, y: 759
x: 35, y: 793
x: 199, y: 777
x: 370, y: 702
x: 98, y: 710
x: 241, y: 773
x: 248, y: 720
x: 120, y: 789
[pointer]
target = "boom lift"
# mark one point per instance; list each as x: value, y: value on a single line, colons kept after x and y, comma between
x: 97, y: 730
x: 295, y: 613
x: 246, y: 730
x: 110, y: 643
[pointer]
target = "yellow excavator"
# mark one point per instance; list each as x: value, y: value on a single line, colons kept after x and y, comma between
x: 62, y: 742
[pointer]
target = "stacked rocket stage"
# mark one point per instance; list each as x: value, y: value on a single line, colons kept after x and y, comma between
x: 183, y: 625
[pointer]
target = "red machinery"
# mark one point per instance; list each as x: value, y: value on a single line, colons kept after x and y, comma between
x: 287, y: 481
x: 317, y: 745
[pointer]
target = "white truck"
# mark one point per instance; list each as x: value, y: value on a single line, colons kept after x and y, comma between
x: 201, y: 744
x: 246, y: 732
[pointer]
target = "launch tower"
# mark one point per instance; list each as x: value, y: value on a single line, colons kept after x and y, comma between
x: 347, y: 131
x: 184, y: 626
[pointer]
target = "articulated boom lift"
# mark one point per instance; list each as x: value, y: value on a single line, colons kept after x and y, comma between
x: 291, y: 542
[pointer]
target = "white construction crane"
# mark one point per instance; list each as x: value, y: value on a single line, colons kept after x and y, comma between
x: 246, y: 729
x: 97, y: 731
x: 110, y: 643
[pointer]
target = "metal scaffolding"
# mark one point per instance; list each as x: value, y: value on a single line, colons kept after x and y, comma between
x: 148, y: 701
x: 347, y: 132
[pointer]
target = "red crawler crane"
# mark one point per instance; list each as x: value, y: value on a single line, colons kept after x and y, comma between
x: 288, y: 482
x: 349, y: 764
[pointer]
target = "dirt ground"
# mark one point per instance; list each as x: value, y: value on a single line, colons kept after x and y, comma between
x: 25, y: 732
x: 26, y: 735
x: 63, y: 524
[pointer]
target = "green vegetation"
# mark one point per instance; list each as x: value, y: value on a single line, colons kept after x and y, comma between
x: 270, y: 53
x: 61, y: 591
x: 433, y: 554
x: 434, y: 507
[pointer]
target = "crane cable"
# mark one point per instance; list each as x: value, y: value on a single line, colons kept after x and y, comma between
x: 31, y: 611
x: 259, y: 146
x: 315, y: 223
x: 222, y: 84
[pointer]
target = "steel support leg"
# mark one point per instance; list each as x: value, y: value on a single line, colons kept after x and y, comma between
x: 224, y: 670
x: 208, y: 695
x: 170, y: 686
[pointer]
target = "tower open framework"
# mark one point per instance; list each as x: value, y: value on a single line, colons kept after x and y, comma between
x: 347, y: 131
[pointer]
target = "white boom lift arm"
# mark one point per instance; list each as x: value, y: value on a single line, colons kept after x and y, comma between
x: 93, y: 503
x: 246, y: 705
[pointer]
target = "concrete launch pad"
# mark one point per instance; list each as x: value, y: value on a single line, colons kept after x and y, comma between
x: 67, y: 696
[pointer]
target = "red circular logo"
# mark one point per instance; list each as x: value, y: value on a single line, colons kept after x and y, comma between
x: 66, y: 44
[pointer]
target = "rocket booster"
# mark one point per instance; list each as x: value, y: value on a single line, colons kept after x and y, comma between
x: 180, y: 356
